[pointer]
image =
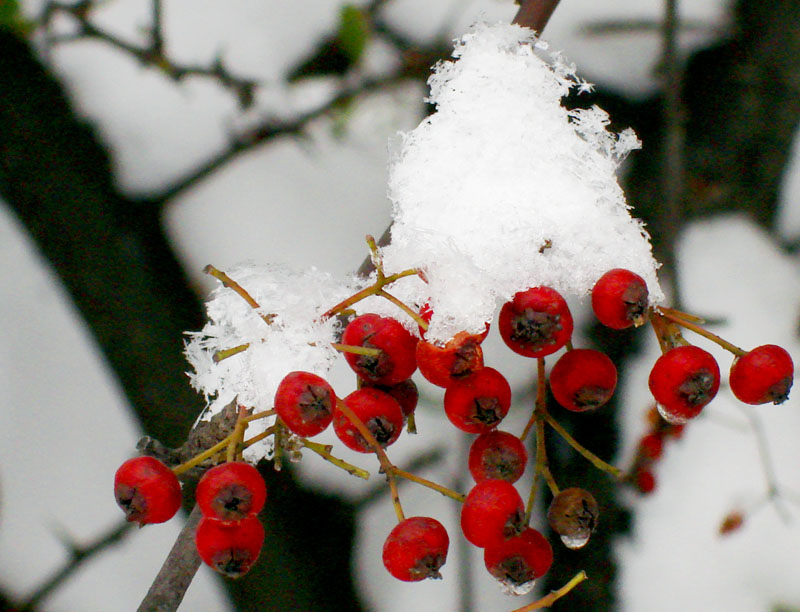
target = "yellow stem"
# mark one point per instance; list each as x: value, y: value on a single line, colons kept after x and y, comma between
x: 324, y: 451
x: 703, y: 332
x: 550, y: 599
x: 366, y: 292
x: 431, y: 485
x: 594, y: 459
x: 228, y: 282
x: 406, y: 309
x: 682, y: 315
x: 224, y: 354
x: 259, y: 415
x: 258, y: 437
x: 541, y: 390
x: 542, y: 464
x: 358, y: 350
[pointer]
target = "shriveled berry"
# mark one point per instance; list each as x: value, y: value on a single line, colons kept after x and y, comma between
x: 573, y: 515
x: 536, y: 322
x: 396, y: 361
x: 442, y: 365
x: 231, y: 491
x: 416, y: 549
x: 583, y: 379
x: 404, y: 392
x: 520, y: 560
x: 762, y: 375
x: 478, y: 402
x: 619, y: 299
x: 147, y: 490
x: 732, y: 522
x: 305, y: 402
x: 492, y: 512
x: 379, y: 411
x: 683, y: 380
x: 229, y: 547
x: 497, y: 455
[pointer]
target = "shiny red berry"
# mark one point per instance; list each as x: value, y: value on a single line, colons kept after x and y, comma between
x: 305, y: 403
x: 231, y: 491
x: 762, y: 375
x: 229, y: 547
x: 442, y: 365
x: 683, y: 380
x: 520, y: 560
x: 497, y: 455
x: 583, y: 379
x: 492, y: 512
x: 536, y: 322
x: 147, y: 490
x: 396, y: 361
x: 416, y: 549
x: 379, y: 411
x: 478, y: 402
x: 619, y: 299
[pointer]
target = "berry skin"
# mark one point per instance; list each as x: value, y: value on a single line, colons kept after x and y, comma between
x: 416, y: 549
x: 573, y: 515
x: 683, y: 380
x: 645, y: 481
x: 520, y: 559
x: 536, y: 322
x: 396, y: 361
x: 492, y: 512
x: 147, y: 490
x: 379, y: 411
x: 762, y: 375
x: 305, y: 402
x: 478, y: 402
x: 229, y: 547
x: 583, y: 379
x: 619, y: 299
x: 651, y: 446
x: 442, y: 365
x: 405, y: 393
x: 497, y: 455
x: 231, y: 491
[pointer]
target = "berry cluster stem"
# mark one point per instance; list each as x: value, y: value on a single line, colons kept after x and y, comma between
x: 582, y: 450
x: 678, y: 318
x: 324, y: 451
x: 459, y: 497
x: 549, y: 599
x: 228, y: 282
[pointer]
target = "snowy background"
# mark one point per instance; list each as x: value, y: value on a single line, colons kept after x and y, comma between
x: 311, y: 203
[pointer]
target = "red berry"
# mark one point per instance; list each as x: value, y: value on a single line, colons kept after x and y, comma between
x: 573, y: 515
x: 497, y: 455
x: 583, y: 379
x: 645, y: 481
x: 619, y: 299
x: 441, y: 365
x: 651, y: 446
x: 683, y: 380
x: 536, y: 322
x: 229, y: 547
x: 416, y: 549
x: 478, y: 402
x: 396, y: 361
x: 404, y: 392
x: 305, y: 402
x: 379, y: 411
x: 762, y: 375
x: 231, y: 491
x: 520, y: 560
x: 147, y: 490
x: 492, y: 512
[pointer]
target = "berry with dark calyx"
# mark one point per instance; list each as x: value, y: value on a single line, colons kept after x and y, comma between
x: 396, y: 361
x: 478, y: 402
x: 497, y: 455
x: 305, y: 403
x: 619, y: 299
x: 229, y: 547
x: 416, y: 549
x: 762, y: 375
x: 231, y: 491
x: 379, y: 411
x: 520, y: 560
x: 492, y: 512
x: 536, y: 322
x: 442, y: 365
x: 683, y: 380
x: 147, y: 490
x: 573, y: 515
x: 404, y: 392
x: 583, y: 379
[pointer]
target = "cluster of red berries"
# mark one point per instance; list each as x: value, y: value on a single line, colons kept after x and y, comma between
x: 650, y: 450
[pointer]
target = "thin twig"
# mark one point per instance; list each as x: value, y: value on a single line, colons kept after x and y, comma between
x: 535, y: 14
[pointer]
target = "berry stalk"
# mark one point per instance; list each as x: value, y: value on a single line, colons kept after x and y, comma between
x: 676, y: 317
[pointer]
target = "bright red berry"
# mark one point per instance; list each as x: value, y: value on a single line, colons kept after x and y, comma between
x: 651, y: 446
x: 396, y: 361
x: 404, y: 392
x: 229, y: 547
x: 442, y: 365
x: 645, y: 481
x: 520, y: 560
x: 416, y: 549
x: 478, y: 402
x: 497, y: 455
x: 492, y: 512
x: 231, y: 491
x: 619, y: 299
x: 762, y: 375
x: 305, y: 402
x: 536, y: 322
x: 147, y: 490
x: 573, y: 515
x: 379, y: 411
x: 683, y: 380
x: 583, y: 379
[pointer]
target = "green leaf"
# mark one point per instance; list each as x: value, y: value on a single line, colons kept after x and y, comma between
x: 353, y: 33
x: 11, y: 18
